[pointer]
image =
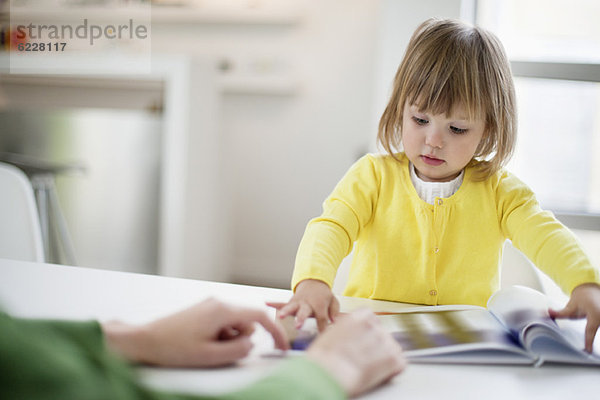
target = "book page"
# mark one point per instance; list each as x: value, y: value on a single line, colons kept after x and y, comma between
x: 524, y: 311
x: 517, y: 306
x: 301, y: 338
x: 431, y: 334
x: 445, y: 332
x: 557, y: 346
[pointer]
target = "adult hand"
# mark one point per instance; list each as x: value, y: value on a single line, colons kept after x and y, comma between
x: 312, y: 298
x: 584, y: 303
x: 210, y: 333
x: 358, y: 352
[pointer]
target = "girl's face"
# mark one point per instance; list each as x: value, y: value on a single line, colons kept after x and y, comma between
x: 440, y: 145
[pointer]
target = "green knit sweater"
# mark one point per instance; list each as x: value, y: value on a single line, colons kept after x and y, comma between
x: 64, y: 360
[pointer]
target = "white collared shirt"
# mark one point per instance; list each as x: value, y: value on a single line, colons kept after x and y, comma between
x: 428, y: 191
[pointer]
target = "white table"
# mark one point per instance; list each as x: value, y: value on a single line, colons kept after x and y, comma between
x: 51, y: 291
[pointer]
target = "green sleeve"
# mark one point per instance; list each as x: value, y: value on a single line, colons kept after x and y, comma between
x: 297, y: 379
x: 61, y: 360
x: 68, y: 360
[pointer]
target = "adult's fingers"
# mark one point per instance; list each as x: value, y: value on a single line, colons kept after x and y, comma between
x: 228, y: 333
x: 276, y: 331
x: 225, y: 352
x: 241, y: 329
x: 243, y: 319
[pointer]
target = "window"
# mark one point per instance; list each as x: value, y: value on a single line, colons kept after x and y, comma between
x: 554, y: 49
x: 544, y: 30
x: 558, y: 147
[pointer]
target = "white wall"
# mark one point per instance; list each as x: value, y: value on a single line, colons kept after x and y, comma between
x: 291, y: 151
x: 281, y: 155
x: 397, y: 21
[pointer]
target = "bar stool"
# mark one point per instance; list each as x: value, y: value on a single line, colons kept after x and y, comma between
x: 58, y: 247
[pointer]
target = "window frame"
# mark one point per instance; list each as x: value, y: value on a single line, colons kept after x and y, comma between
x: 582, y: 72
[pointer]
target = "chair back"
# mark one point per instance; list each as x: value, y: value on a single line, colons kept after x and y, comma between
x: 20, y: 232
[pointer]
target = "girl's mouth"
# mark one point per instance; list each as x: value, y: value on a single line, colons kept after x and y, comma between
x: 430, y: 160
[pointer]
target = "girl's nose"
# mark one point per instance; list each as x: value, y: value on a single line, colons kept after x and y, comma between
x: 434, y: 138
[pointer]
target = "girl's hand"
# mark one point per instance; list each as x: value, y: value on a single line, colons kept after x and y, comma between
x: 584, y: 302
x: 313, y: 298
x: 210, y: 333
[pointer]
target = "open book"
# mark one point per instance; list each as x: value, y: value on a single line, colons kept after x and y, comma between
x: 514, y: 329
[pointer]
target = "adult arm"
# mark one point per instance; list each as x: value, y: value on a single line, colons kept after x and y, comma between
x: 59, y: 359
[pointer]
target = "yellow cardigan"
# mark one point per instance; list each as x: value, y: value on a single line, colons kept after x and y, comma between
x: 407, y: 250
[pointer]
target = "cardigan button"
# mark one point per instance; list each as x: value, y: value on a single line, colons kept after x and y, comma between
x: 433, y: 292
x: 436, y: 250
x: 440, y: 202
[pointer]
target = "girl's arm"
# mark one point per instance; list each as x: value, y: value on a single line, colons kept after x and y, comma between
x: 328, y: 239
x: 554, y: 249
x: 550, y: 245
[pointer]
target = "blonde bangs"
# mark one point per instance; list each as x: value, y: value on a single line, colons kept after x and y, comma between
x: 443, y: 81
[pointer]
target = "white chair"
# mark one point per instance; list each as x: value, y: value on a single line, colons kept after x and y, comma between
x: 20, y: 232
x: 517, y: 269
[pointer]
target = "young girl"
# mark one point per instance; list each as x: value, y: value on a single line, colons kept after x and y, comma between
x: 428, y: 224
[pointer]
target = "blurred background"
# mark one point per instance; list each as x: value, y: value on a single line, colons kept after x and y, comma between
x: 211, y: 165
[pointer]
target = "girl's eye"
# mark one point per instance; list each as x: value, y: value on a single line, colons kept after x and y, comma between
x: 420, y: 121
x: 458, y: 130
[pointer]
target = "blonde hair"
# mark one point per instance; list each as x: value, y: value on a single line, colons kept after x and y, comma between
x: 447, y: 64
